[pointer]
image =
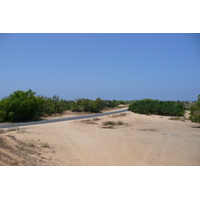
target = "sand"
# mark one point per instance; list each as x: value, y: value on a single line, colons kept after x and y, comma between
x: 141, y: 140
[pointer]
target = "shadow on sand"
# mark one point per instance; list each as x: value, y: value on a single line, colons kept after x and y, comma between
x: 195, y: 126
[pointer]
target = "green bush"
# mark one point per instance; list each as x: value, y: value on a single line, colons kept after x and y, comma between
x: 88, y: 105
x: 75, y: 107
x: 195, y: 111
x: 19, y: 106
x: 25, y: 106
x: 149, y: 106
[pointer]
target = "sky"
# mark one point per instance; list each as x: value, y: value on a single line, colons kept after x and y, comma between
x: 112, y: 66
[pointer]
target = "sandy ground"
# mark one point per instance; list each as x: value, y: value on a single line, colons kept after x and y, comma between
x: 141, y: 140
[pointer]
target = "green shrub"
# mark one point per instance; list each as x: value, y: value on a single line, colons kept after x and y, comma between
x: 75, y: 107
x: 19, y: 106
x: 108, y: 123
x: 88, y: 105
x: 195, y: 111
x: 149, y: 106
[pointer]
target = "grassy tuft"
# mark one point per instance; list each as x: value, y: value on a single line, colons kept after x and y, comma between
x: 108, y: 123
x: 31, y: 144
x: 96, y: 119
x: 113, y: 123
x: 119, y: 123
x: 45, y: 145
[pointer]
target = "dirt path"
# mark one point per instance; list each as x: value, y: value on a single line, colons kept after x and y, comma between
x: 140, y: 141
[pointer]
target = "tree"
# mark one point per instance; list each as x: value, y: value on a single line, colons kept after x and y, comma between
x: 195, y: 111
x: 19, y: 106
x: 99, y: 104
x: 53, y: 105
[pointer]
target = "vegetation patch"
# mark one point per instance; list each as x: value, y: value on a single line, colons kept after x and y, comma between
x: 111, y: 124
x: 118, y: 115
x: 96, y: 119
x: 108, y: 127
x: 31, y: 144
x: 13, y: 128
x: 149, y: 106
x: 195, y: 111
x: 16, y: 152
x: 149, y: 129
x: 183, y: 119
x: 26, y: 106
x: 88, y: 121
x: 119, y: 123
x: 2, y: 131
x: 175, y: 118
x: 45, y: 145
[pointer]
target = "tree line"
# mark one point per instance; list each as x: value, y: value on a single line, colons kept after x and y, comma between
x: 26, y: 106
x: 150, y: 106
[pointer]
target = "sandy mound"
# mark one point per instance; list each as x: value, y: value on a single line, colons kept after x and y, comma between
x: 17, y: 152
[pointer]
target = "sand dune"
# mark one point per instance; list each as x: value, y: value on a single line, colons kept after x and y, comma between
x: 140, y: 140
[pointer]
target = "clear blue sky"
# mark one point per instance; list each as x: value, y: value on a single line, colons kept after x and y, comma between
x: 109, y: 66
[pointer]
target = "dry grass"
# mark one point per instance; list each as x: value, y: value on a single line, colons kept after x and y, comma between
x: 90, y: 121
x: 111, y: 124
x: 13, y: 128
x: 183, y: 119
x: 174, y: 118
x: 31, y: 144
x: 14, y: 152
x: 45, y: 145
x: 96, y: 119
x: 108, y: 127
x: 118, y: 115
x: 12, y: 163
x: 149, y: 129
x: 119, y: 123
x: 2, y: 131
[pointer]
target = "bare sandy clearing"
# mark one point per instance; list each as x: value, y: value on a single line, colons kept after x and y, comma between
x: 140, y: 141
